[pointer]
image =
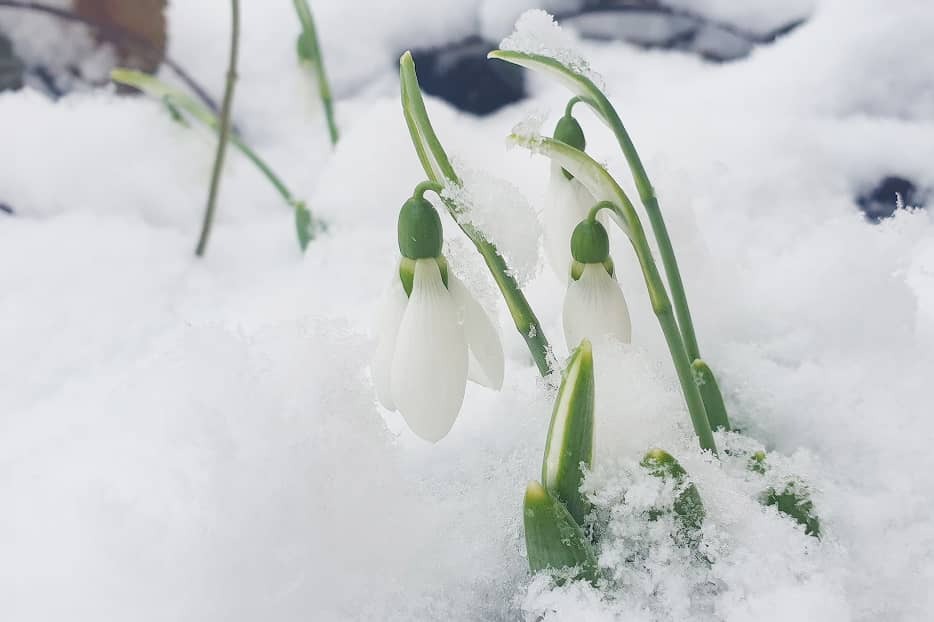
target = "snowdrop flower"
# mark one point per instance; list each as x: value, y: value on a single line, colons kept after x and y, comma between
x: 594, y: 306
x: 433, y: 335
x: 567, y: 201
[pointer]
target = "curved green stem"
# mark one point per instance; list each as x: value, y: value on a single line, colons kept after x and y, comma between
x: 590, y: 94
x: 439, y: 170
x: 602, y: 185
x: 570, y: 105
x: 426, y: 186
x: 224, y: 129
x: 314, y: 56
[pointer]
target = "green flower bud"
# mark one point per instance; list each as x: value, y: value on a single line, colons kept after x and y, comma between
x: 569, y: 131
x: 420, y: 233
x: 590, y: 242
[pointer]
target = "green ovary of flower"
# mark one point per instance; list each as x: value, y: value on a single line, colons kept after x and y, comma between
x: 420, y: 232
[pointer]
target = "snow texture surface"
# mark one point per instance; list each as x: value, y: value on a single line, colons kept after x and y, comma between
x: 199, y: 440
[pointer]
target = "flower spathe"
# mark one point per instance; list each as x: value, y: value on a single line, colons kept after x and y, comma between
x: 594, y: 307
x: 429, y: 344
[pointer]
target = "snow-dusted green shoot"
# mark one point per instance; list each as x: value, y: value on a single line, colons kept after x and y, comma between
x: 306, y: 225
x: 791, y: 497
x: 433, y: 335
x: 569, y: 446
x: 309, y: 53
x: 438, y: 168
x: 594, y: 305
x: 553, y: 540
x: 688, y: 507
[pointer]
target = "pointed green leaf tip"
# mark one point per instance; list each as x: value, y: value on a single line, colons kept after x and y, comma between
x: 710, y: 394
x: 688, y: 506
x: 795, y: 502
x: 569, y: 448
x: 552, y: 538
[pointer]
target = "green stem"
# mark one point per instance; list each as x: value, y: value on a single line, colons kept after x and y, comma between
x: 647, y: 196
x: 661, y: 305
x: 439, y: 170
x: 224, y: 130
x: 324, y: 86
x: 585, y: 168
x: 425, y: 186
x: 570, y: 106
x: 590, y: 94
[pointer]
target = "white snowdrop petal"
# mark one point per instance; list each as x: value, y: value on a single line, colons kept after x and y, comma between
x: 391, y: 308
x: 594, y: 307
x: 566, y: 204
x: 429, y: 368
x: 483, y: 342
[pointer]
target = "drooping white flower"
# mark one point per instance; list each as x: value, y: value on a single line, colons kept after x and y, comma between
x: 594, y: 305
x: 566, y: 204
x: 433, y: 338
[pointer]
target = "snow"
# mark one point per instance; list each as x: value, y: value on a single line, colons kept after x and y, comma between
x: 537, y: 33
x: 188, y: 439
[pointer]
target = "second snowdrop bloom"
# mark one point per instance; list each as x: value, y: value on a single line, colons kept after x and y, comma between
x: 567, y: 201
x: 594, y: 306
x: 433, y: 335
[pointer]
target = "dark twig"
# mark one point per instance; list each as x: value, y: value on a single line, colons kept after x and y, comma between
x: 117, y: 36
x: 224, y: 129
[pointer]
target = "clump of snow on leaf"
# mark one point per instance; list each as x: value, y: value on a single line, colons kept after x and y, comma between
x: 528, y: 130
x: 497, y: 209
x: 537, y: 33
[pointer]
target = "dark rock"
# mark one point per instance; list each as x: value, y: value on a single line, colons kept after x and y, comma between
x: 6, y: 209
x: 888, y: 195
x: 11, y: 67
x: 652, y: 25
x: 461, y: 75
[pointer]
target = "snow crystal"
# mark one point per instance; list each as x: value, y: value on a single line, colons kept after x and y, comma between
x: 537, y: 33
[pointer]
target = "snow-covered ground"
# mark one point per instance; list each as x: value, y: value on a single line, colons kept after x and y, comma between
x: 199, y: 440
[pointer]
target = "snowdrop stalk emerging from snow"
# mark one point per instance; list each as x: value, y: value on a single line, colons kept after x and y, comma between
x: 306, y: 225
x: 439, y: 170
x: 310, y: 52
